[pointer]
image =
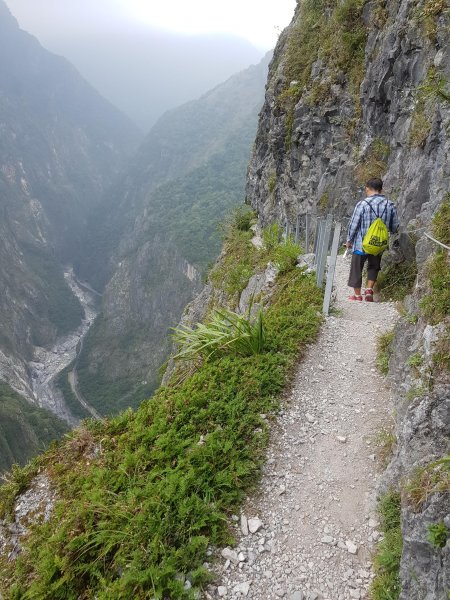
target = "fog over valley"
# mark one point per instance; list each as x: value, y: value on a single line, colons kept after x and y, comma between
x: 143, y: 70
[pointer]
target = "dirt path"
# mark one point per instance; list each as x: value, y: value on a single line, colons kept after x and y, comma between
x: 317, y: 498
x: 73, y: 382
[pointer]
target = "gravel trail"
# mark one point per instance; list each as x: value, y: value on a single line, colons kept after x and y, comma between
x: 314, y: 520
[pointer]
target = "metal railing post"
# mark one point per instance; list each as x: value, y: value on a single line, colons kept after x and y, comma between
x: 318, y: 236
x: 331, y: 269
x: 297, y: 230
x: 307, y: 233
x: 323, y: 250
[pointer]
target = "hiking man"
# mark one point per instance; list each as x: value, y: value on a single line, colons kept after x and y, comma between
x: 375, y: 205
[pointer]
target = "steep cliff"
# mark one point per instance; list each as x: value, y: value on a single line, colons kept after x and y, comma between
x: 359, y: 89
x: 156, y: 231
x: 25, y: 429
x: 60, y: 145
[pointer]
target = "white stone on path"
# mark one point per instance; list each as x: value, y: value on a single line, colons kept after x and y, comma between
x: 230, y: 555
x: 243, y: 588
x: 351, y: 546
x: 254, y: 525
x: 222, y: 591
x: 244, y: 525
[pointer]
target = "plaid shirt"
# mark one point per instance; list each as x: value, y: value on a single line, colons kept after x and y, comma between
x: 365, y: 213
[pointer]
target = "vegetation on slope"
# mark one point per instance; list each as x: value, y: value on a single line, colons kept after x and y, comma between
x: 242, y: 259
x: 144, y: 495
x: 332, y: 32
x: 435, y: 305
x: 62, y: 381
x: 386, y: 585
x: 177, y: 219
x: 25, y: 429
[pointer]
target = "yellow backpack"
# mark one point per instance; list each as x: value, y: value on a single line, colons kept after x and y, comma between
x: 376, y: 239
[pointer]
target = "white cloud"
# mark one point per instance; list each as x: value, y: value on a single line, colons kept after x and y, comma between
x: 259, y: 21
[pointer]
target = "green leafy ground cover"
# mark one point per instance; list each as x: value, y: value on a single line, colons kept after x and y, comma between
x: 138, y: 514
x: 242, y: 259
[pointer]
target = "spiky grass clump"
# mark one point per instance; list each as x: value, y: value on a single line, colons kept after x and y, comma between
x: 226, y: 332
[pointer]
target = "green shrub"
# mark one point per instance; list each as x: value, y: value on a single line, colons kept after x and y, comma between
x: 139, y: 514
x: 242, y: 259
x: 226, y: 332
x: 436, y: 305
x: 415, y: 360
x: 333, y: 32
x: 396, y: 281
x: 241, y: 218
x: 285, y: 255
x: 426, y: 481
x: 374, y: 162
x: 384, y: 351
x: 386, y: 585
x: 233, y: 272
x: 272, y: 236
x: 441, y: 222
x: 438, y: 534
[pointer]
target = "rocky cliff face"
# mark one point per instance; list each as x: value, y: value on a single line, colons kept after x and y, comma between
x: 156, y: 231
x: 356, y: 90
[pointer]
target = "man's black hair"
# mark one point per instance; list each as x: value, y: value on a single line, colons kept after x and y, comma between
x: 375, y: 184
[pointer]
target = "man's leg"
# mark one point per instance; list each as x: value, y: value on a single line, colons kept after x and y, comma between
x: 373, y: 268
x: 355, y: 278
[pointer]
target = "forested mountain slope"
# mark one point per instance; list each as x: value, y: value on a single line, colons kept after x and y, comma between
x: 156, y: 231
x: 60, y: 145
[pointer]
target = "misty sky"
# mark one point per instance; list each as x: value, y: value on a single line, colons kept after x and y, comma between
x: 147, y: 56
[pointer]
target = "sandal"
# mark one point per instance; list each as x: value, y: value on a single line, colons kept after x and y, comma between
x: 368, y: 295
x: 358, y: 298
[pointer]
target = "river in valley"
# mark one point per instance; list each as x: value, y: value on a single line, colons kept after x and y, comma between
x: 48, y: 363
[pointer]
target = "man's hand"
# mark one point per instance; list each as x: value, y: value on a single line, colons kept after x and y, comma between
x: 348, y: 244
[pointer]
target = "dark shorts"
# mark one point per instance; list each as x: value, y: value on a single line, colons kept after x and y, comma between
x: 357, y: 266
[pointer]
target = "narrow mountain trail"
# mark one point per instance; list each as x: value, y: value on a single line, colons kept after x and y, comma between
x: 73, y: 382
x: 315, y: 515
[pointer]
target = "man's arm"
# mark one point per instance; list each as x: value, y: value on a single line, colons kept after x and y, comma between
x: 354, y: 223
x: 393, y: 221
